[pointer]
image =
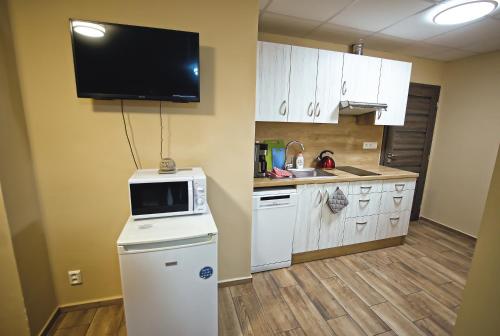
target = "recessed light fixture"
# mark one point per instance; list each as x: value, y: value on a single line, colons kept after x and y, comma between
x: 88, y: 28
x: 465, y: 12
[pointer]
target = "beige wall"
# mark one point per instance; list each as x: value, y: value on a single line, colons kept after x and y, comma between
x: 80, y: 152
x: 478, y: 314
x: 465, y: 143
x: 13, y: 318
x: 20, y: 193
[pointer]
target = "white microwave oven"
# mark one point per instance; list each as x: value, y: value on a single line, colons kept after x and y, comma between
x: 160, y: 195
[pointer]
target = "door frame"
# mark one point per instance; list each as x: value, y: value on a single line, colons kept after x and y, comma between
x: 419, y: 90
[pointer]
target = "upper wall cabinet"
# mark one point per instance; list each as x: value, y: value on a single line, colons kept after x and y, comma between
x: 393, y: 91
x: 273, y: 72
x: 303, y: 73
x: 360, y: 78
x: 328, y: 84
x: 297, y: 84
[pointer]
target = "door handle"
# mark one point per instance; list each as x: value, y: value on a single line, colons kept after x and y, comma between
x: 344, y: 88
x: 282, y: 109
x: 310, y: 110
x: 317, y: 109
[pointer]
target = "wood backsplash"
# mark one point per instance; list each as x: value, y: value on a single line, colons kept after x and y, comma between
x: 345, y: 139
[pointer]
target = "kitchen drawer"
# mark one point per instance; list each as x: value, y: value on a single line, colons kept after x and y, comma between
x: 394, y: 201
x: 398, y: 185
x: 393, y: 224
x: 363, y: 204
x: 360, y: 229
x: 365, y: 187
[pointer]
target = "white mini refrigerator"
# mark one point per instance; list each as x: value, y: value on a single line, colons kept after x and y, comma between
x: 169, y: 276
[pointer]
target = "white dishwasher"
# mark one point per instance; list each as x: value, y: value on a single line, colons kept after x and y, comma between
x: 274, y: 213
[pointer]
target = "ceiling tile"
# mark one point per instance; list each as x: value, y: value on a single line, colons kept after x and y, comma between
x: 419, y: 27
x: 386, y: 43
x: 318, y: 10
x: 451, y: 55
x: 285, y: 25
x: 375, y: 15
x: 263, y: 4
x: 474, y: 34
x: 337, y: 34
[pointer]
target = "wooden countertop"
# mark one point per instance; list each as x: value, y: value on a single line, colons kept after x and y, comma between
x: 386, y: 173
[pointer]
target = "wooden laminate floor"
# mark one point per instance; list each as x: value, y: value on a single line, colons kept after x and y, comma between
x: 412, y: 289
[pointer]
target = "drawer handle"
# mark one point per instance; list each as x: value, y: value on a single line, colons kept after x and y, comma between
x: 363, y: 188
x: 362, y: 223
x: 399, y: 186
x: 392, y: 219
x: 171, y: 263
x: 365, y: 200
x: 398, y: 199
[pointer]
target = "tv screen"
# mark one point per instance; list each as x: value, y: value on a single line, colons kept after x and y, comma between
x: 116, y: 61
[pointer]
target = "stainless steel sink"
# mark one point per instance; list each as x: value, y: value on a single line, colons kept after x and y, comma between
x: 309, y: 172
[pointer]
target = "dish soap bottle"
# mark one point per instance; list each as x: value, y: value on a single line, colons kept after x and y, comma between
x: 299, y: 161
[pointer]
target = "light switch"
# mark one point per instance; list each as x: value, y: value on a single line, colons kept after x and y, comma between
x: 370, y: 145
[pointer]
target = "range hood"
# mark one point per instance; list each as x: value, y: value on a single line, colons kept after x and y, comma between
x: 348, y: 107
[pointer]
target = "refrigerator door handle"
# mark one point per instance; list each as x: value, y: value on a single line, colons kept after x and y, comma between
x: 168, y: 245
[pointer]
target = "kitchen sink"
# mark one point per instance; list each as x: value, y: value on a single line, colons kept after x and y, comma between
x: 309, y: 172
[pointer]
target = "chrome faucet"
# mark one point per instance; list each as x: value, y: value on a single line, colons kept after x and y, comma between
x: 290, y: 164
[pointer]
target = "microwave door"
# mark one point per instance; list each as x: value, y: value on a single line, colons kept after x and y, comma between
x: 161, y: 199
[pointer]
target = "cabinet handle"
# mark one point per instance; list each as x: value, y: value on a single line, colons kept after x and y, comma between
x: 362, y: 223
x: 320, y: 195
x: 310, y: 110
x: 317, y: 109
x: 344, y: 88
x: 364, y: 200
x: 282, y: 109
x: 379, y: 114
x: 399, y: 185
x: 398, y: 199
x: 394, y: 219
x: 363, y: 188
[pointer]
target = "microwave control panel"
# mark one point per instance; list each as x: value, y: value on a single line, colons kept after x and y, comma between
x: 200, y: 195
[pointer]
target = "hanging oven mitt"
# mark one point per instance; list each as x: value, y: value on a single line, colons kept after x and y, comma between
x: 337, y: 201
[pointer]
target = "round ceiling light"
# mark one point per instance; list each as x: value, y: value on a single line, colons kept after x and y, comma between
x: 465, y: 12
x: 88, y: 28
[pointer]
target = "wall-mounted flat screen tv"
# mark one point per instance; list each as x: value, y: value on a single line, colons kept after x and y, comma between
x: 116, y: 61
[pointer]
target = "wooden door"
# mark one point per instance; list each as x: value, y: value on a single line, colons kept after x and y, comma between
x: 393, y: 91
x: 272, y: 81
x: 328, y: 85
x: 303, y: 69
x: 408, y: 147
x: 360, y: 78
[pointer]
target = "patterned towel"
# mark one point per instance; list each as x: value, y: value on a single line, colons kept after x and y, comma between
x: 279, y: 173
x: 337, y: 201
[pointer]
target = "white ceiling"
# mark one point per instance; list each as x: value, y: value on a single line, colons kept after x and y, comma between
x: 399, y: 26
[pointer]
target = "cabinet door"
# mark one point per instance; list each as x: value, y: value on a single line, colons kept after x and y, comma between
x: 332, y: 225
x: 393, y: 224
x: 328, y: 85
x: 307, y: 223
x: 360, y: 229
x: 303, y: 69
x: 393, y: 91
x: 273, y: 82
x: 360, y: 78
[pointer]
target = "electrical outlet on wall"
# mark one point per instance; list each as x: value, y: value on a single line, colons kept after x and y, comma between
x: 75, y: 277
x: 370, y: 145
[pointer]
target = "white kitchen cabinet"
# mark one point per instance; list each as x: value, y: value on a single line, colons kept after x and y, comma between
x: 273, y: 74
x: 328, y: 82
x: 393, y: 91
x: 360, y: 229
x: 363, y: 204
x: 360, y: 78
x: 393, y: 201
x: 303, y: 71
x: 308, y: 220
x: 332, y: 225
x: 393, y: 224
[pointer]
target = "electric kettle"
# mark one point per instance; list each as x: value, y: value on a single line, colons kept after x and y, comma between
x: 325, y: 161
